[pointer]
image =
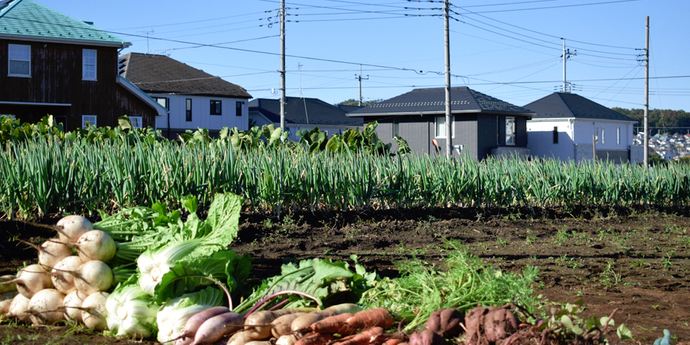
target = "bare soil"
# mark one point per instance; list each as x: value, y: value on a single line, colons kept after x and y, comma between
x: 632, y: 261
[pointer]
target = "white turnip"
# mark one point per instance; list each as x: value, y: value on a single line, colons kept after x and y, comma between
x: 72, y: 304
x: 93, y: 276
x: 19, y: 308
x: 45, y: 307
x: 5, y: 301
x: 94, y: 312
x: 62, y: 275
x: 32, y: 279
x: 50, y: 252
x: 96, y: 245
x: 70, y: 228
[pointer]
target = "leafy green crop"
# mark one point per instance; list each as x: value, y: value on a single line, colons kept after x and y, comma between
x: 462, y: 282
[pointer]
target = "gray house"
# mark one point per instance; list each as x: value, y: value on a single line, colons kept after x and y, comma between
x: 302, y: 113
x: 568, y: 126
x: 482, y: 125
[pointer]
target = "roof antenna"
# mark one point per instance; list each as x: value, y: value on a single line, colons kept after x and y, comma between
x: 148, y: 51
x: 306, y: 113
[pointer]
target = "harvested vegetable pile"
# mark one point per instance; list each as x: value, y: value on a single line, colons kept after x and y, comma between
x: 145, y: 273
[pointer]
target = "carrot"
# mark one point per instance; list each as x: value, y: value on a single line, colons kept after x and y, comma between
x: 315, y: 339
x: 393, y: 341
x: 378, y: 317
x: 302, y: 323
x: 333, y: 324
x: 366, y: 337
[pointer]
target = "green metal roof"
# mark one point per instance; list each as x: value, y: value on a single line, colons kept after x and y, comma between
x: 27, y: 20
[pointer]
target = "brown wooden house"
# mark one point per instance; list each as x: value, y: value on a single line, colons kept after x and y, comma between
x: 53, y: 64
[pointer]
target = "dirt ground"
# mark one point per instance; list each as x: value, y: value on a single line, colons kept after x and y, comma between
x: 634, y: 262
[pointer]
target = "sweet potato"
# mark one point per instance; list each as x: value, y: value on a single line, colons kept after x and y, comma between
x: 259, y: 323
x: 215, y: 328
x: 446, y: 322
x: 286, y: 339
x: 282, y: 325
x: 302, y: 323
x: 333, y: 324
x: 378, y: 317
x: 474, y: 325
x: 427, y: 337
x: 240, y: 338
x: 315, y: 339
x: 499, y: 324
x: 193, y: 323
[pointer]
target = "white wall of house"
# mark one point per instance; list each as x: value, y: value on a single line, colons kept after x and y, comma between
x: 611, y: 135
x: 201, y: 113
x: 540, y: 138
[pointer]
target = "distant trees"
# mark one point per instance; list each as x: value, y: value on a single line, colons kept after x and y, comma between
x: 660, y: 120
x: 356, y: 102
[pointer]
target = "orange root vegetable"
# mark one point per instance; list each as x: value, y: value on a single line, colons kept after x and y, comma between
x: 393, y: 341
x: 282, y: 325
x: 315, y: 339
x: 303, y: 322
x: 369, y: 336
x: 333, y: 324
x: 378, y: 317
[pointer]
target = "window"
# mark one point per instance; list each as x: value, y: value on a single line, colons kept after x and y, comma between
x: 216, y: 108
x: 510, y: 130
x: 19, y: 60
x: 88, y: 64
x: 136, y: 121
x: 618, y: 135
x: 238, y: 108
x: 596, y: 135
x: 555, y: 134
x: 396, y: 128
x: 603, y: 137
x: 188, y: 110
x: 61, y: 119
x: 162, y: 101
x: 88, y: 120
x: 441, y: 127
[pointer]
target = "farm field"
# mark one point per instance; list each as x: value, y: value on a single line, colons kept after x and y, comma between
x: 636, y: 262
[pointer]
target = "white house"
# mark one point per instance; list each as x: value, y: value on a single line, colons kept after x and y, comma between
x: 194, y: 98
x: 570, y: 127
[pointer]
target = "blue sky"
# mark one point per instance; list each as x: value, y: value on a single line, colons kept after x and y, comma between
x: 509, y: 49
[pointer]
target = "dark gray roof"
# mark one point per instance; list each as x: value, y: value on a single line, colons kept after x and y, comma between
x: 432, y: 101
x: 161, y: 74
x: 570, y: 105
x: 297, y: 110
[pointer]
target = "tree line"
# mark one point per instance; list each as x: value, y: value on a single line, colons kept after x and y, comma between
x: 664, y: 121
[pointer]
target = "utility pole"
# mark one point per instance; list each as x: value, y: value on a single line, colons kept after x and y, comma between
x: 449, y: 121
x: 645, y: 160
x: 359, y: 77
x: 282, y: 64
x: 566, y: 55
